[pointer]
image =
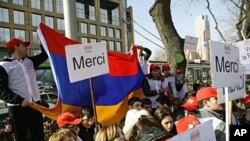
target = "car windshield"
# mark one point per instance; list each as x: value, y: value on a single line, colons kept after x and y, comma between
x: 45, y: 81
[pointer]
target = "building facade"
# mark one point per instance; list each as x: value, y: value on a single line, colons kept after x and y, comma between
x: 97, y: 21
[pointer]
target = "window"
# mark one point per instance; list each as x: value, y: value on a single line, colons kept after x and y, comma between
x: 4, y: 15
x: 91, y: 12
x: 4, y: 0
x: 80, y: 13
x: 93, y: 40
x: 118, y: 46
x: 35, y: 38
x: 84, y: 28
x: 36, y: 19
x: 103, y: 31
x: 60, y: 24
x: 35, y: 4
x: 118, y: 34
x: 4, y: 34
x: 84, y: 40
x: 19, y: 2
x: 48, y: 5
x: 115, y: 16
x: 111, y: 32
x: 49, y: 21
x: 20, y: 34
x: 18, y: 17
x: 104, y: 15
x: 103, y: 41
x: 111, y: 45
x: 59, y: 6
x: 92, y: 29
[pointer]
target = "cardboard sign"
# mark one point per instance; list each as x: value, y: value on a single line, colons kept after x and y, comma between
x: 202, y: 132
x: 86, y: 61
x: 234, y: 92
x: 225, y: 64
x: 190, y: 43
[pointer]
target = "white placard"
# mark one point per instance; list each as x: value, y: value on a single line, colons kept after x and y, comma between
x: 202, y: 132
x: 190, y: 43
x: 244, y: 47
x: 225, y: 64
x: 234, y: 92
x: 86, y: 61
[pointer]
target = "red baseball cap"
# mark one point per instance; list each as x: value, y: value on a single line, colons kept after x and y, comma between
x: 178, y: 72
x: 205, y: 93
x: 186, y: 123
x: 15, y: 41
x: 67, y: 119
x: 247, y: 99
x: 154, y: 66
x: 165, y: 67
x: 191, y: 104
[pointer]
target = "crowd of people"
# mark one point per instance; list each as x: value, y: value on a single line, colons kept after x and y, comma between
x: 168, y: 108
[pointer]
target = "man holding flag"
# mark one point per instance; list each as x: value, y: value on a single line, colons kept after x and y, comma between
x: 18, y: 89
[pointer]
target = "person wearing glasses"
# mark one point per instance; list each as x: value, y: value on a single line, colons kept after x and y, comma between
x: 18, y: 88
x: 69, y: 121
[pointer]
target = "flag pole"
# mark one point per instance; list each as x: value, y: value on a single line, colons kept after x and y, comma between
x: 93, y: 103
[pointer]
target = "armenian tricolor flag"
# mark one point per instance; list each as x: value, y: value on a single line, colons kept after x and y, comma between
x: 111, y: 90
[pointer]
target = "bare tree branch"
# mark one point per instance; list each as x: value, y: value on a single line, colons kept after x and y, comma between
x: 236, y: 4
x: 216, y: 23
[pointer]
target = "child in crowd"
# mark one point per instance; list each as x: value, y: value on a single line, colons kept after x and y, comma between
x: 135, y: 103
x: 71, y: 122
x: 147, y: 105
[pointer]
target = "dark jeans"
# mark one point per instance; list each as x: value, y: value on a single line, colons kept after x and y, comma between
x: 26, y: 119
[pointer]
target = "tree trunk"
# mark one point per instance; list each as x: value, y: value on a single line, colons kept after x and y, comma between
x: 246, y: 27
x: 173, y: 43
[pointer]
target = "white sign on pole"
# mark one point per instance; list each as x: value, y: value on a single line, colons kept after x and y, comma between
x: 234, y: 92
x: 202, y: 132
x: 190, y: 43
x: 86, y: 61
x: 244, y: 47
x: 224, y: 60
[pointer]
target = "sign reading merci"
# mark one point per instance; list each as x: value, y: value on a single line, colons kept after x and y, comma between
x: 224, y: 60
x: 86, y: 61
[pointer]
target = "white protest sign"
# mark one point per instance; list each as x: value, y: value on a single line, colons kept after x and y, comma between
x: 86, y: 61
x: 234, y: 92
x: 244, y: 47
x: 190, y: 43
x: 225, y: 64
x: 202, y: 132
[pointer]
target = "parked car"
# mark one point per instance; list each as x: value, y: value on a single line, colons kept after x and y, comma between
x: 2, y: 104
